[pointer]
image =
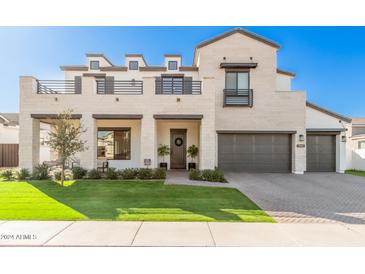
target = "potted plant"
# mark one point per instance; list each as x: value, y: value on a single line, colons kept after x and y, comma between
x: 192, y: 151
x: 163, y: 150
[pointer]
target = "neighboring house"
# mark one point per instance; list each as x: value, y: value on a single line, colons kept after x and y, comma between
x: 233, y: 102
x: 9, y: 140
x: 356, y: 148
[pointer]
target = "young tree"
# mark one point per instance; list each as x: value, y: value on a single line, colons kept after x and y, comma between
x: 65, y: 139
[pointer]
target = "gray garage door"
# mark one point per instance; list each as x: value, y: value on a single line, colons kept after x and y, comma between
x: 321, y: 153
x: 254, y: 152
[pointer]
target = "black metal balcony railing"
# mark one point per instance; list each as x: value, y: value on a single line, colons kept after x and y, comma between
x: 59, y: 86
x: 238, y: 97
x: 175, y: 87
x: 119, y: 87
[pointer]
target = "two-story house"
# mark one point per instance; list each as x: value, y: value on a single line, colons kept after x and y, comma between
x: 233, y: 102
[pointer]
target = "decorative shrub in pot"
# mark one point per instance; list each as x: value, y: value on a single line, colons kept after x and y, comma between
x: 163, y: 150
x: 192, y: 152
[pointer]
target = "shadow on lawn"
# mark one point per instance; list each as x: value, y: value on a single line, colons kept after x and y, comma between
x: 111, y: 200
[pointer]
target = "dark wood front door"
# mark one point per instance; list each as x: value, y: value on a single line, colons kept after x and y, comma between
x: 178, y: 148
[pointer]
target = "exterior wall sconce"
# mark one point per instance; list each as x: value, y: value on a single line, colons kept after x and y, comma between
x: 55, y: 99
x: 343, y: 138
x: 178, y: 99
x: 301, y: 138
x: 117, y: 99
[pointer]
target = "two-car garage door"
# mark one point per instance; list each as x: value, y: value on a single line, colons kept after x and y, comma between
x: 254, y: 152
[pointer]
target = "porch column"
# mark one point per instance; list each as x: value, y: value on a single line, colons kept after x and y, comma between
x: 208, y: 143
x: 148, y: 140
x: 88, y: 156
x: 29, y: 141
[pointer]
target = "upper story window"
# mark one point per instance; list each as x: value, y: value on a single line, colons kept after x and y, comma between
x: 133, y: 65
x: 361, y: 144
x: 237, y: 80
x: 237, y: 90
x: 172, y: 65
x: 94, y: 65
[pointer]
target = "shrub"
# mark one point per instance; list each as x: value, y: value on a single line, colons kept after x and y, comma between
x: 129, y: 173
x: 212, y: 175
x: 93, y: 174
x: 7, y: 174
x: 145, y: 173
x: 112, y: 173
x: 159, y: 173
x: 57, y: 175
x: 195, y: 174
x: 22, y: 174
x: 41, y: 172
x: 78, y: 172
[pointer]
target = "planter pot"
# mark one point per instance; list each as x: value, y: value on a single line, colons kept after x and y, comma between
x: 163, y: 165
x: 192, y: 166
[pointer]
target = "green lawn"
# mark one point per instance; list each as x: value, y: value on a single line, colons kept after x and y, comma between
x: 356, y: 172
x: 124, y: 200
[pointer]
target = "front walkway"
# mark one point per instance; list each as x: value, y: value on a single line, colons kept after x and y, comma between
x: 114, y: 233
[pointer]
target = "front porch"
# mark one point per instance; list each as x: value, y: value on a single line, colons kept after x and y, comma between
x: 128, y: 140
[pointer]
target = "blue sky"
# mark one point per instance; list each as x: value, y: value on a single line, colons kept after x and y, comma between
x: 329, y: 61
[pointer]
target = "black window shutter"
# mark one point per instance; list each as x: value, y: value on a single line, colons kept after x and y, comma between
x: 158, y: 85
x: 109, y: 84
x: 78, y: 84
x: 188, y: 85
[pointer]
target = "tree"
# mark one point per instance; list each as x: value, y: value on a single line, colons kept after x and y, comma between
x: 65, y: 139
x: 163, y: 150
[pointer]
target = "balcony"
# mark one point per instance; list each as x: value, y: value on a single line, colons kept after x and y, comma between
x: 177, y: 86
x: 59, y: 86
x: 238, y: 97
x: 104, y: 86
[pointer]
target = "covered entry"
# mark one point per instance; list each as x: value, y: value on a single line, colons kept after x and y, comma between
x: 254, y: 152
x: 321, y: 152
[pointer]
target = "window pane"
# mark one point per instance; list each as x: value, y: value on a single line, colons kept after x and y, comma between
x: 242, y: 80
x: 172, y: 65
x: 122, y: 145
x: 105, y: 145
x: 231, y: 80
x: 94, y: 64
x: 133, y: 65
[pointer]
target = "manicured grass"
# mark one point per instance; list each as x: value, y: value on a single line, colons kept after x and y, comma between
x: 124, y: 200
x: 356, y: 172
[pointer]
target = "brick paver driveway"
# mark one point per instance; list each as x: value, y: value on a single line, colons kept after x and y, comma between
x: 308, y: 198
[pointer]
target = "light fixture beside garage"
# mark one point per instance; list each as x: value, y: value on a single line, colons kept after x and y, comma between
x: 343, y: 138
x: 301, y: 138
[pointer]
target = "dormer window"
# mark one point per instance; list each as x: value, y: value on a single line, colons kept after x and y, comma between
x: 133, y: 65
x: 172, y: 65
x: 94, y: 65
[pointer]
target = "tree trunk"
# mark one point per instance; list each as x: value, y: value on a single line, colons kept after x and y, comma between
x: 62, y: 173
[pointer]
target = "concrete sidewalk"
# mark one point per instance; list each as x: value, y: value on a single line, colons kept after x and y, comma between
x: 94, y: 233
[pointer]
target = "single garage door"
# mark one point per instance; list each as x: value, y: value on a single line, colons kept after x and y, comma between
x: 254, y: 152
x: 321, y: 152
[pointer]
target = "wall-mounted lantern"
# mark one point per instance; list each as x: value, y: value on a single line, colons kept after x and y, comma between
x: 343, y: 138
x: 301, y: 138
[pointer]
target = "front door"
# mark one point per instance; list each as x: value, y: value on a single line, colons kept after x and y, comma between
x: 178, y: 148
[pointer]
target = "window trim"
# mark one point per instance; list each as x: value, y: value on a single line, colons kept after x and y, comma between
x: 359, y: 144
x: 115, y: 129
x: 172, y: 62
x: 133, y: 62
x: 94, y: 61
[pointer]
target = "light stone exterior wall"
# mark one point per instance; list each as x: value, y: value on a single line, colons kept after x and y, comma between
x: 275, y: 106
x: 272, y: 110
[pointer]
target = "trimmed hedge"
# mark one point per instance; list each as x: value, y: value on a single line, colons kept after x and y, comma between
x: 210, y: 175
x: 78, y: 172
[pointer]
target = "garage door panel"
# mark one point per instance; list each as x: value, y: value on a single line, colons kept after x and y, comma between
x: 255, y: 152
x: 321, y: 153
